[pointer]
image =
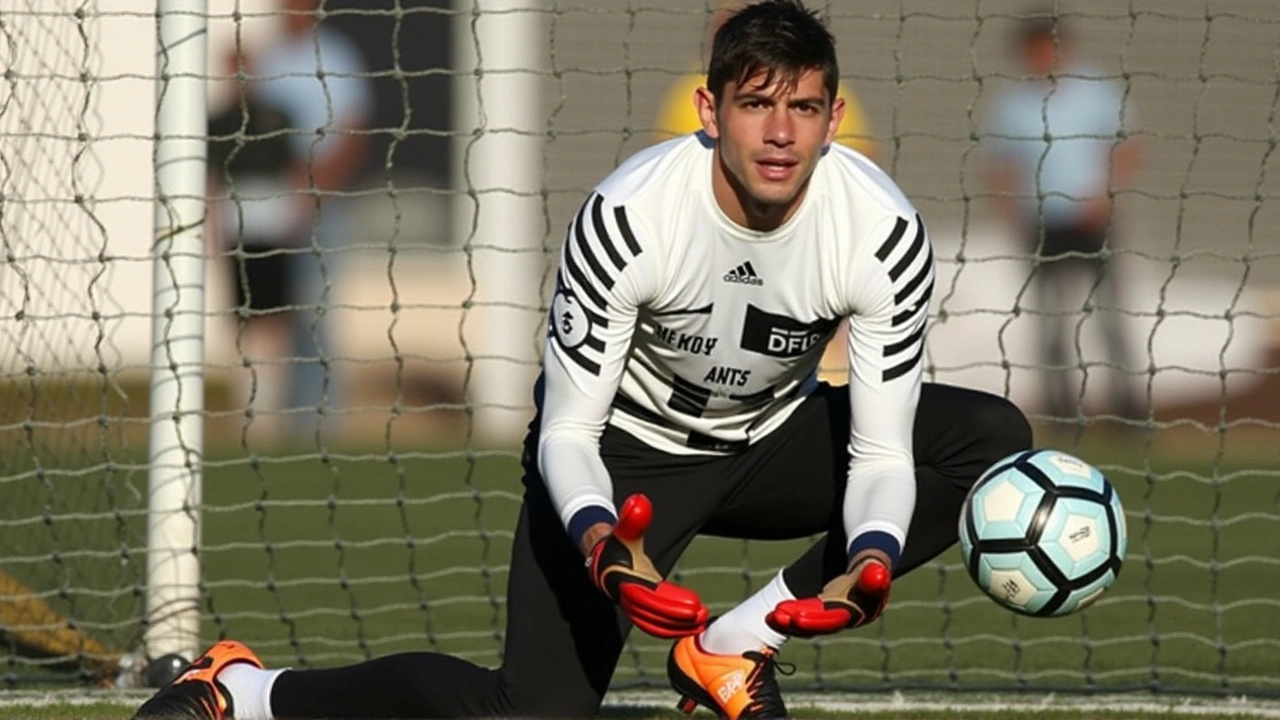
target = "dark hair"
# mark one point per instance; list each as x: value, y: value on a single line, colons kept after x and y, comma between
x: 781, y: 38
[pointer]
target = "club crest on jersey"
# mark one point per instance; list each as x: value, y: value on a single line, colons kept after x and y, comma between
x: 569, y: 321
x: 781, y: 336
x: 744, y: 274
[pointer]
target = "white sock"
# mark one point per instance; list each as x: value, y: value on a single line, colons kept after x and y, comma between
x: 743, y: 628
x: 250, y: 690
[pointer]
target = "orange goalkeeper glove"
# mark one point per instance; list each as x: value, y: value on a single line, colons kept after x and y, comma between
x: 848, y: 601
x: 622, y: 571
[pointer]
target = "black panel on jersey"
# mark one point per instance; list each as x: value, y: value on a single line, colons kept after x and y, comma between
x: 781, y: 336
x: 688, y: 398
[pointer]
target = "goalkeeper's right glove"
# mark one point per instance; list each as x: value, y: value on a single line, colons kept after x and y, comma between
x: 622, y: 571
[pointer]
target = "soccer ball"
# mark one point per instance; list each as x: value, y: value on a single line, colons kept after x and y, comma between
x: 1043, y: 533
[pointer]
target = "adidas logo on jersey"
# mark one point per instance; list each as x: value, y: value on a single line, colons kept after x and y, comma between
x: 744, y: 274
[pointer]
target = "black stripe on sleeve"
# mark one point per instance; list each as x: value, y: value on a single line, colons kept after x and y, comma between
x: 584, y: 249
x: 925, y: 270
x: 597, y: 320
x: 910, y: 312
x: 894, y: 348
x: 620, y: 214
x: 899, y: 228
x: 905, y: 262
x: 583, y: 361
x: 582, y: 283
x: 602, y: 234
x: 904, y: 367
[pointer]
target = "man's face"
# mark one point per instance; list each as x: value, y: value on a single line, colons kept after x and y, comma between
x: 769, y: 140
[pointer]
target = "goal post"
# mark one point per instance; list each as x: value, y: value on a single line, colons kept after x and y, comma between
x: 176, y: 442
x: 500, y: 48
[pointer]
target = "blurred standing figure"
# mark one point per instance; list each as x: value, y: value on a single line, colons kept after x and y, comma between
x: 255, y: 219
x: 318, y: 78
x: 1062, y: 145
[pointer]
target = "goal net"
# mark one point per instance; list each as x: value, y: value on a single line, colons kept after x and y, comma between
x: 69, y: 577
x: 379, y: 236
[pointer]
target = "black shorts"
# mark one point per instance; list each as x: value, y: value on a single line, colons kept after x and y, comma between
x: 261, y: 277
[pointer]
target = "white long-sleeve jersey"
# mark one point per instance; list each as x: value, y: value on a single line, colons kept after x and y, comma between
x: 697, y: 335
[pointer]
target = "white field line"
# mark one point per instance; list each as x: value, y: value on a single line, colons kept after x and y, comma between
x: 851, y: 704
x: 854, y: 704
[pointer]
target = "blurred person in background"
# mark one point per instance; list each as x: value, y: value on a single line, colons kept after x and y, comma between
x: 1061, y: 145
x: 317, y: 77
x: 677, y: 116
x: 259, y: 224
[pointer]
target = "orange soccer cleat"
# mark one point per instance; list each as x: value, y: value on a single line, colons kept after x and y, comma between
x: 196, y: 694
x: 735, y: 687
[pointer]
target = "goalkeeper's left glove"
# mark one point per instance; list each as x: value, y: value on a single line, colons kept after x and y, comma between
x: 619, y: 567
x: 848, y: 601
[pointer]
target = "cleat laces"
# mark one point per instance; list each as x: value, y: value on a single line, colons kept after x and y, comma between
x: 184, y: 701
x: 766, y: 698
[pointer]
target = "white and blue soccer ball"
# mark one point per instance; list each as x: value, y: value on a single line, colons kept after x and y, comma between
x: 1043, y: 533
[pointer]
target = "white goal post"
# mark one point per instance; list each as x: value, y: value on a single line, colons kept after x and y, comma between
x: 176, y: 446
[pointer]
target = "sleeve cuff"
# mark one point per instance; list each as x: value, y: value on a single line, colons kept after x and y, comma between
x: 588, y: 516
x: 877, y: 540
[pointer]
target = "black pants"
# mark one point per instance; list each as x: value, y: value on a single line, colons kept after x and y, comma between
x: 1068, y: 257
x: 564, y: 637
x: 262, y: 277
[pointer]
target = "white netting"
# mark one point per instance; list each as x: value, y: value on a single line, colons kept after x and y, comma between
x: 69, y: 532
x: 370, y: 509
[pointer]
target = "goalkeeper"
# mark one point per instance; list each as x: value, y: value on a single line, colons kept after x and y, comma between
x: 696, y: 289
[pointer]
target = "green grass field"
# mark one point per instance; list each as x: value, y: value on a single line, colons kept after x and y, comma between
x: 410, y: 554
x: 318, y: 560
